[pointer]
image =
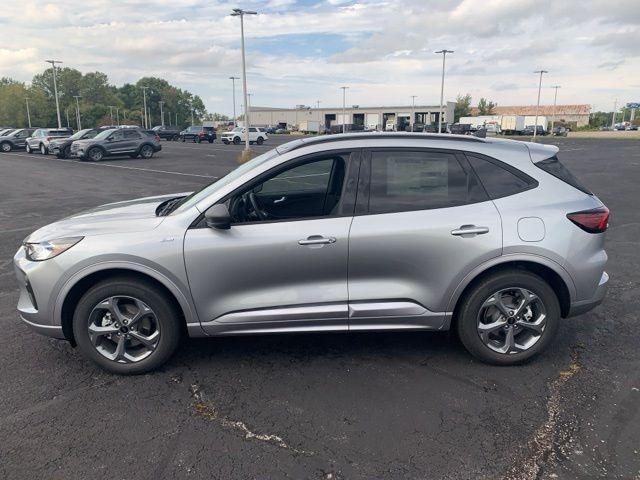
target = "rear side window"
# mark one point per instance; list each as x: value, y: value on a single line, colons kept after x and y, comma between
x: 554, y: 167
x: 131, y: 134
x: 419, y: 180
x: 498, y: 179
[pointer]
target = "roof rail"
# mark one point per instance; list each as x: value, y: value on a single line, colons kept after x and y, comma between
x: 303, y: 142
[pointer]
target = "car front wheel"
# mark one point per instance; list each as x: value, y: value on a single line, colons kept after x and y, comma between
x: 260, y: 141
x: 5, y: 147
x: 43, y: 149
x: 95, y: 154
x: 236, y: 140
x: 508, y: 317
x: 126, y: 326
x: 28, y: 148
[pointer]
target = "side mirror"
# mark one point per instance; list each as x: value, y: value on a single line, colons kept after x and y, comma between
x: 218, y: 217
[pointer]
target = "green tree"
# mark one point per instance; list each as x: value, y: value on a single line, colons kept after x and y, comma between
x: 485, y: 107
x: 463, y: 106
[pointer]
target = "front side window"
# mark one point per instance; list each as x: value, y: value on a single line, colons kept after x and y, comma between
x: 311, y: 189
x: 117, y: 135
x: 497, y: 179
x: 253, y: 129
x: 419, y: 180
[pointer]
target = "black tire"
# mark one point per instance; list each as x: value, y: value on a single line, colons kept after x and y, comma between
x: 43, y: 150
x: 236, y: 140
x: 66, y: 153
x: 260, y: 141
x: 146, y: 151
x: 175, y: 138
x: 211, y: 140
x: 5, y: 147
x: 94, y: 154
x: 467, y: 317
x: 167, y: 317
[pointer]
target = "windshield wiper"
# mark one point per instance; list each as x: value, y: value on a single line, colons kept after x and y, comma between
x: 166, y: 207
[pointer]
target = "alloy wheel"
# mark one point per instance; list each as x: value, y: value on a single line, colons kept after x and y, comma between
x: 511, y: 320
x: 123, y: 329
x: 146, y: 151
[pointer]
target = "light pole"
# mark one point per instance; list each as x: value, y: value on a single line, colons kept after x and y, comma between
x: 78, y: 121
x: 111, y: 107
x: 238, y: 12
x: 118, y: 115
x: 344, y: 104
x: 555, y: 98
x: 66, y: 112
x: 144, y: 105
x: 535, y: 126
x: 613, y: 116
x: 413, y: 113
x: 161, y: 113
x: 191, y: 108
x: 233, y: 79
x: 26, y: 99
x: 444, y: 57
x: 55, y: 88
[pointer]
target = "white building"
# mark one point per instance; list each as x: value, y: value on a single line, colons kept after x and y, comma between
x: 375, y: 118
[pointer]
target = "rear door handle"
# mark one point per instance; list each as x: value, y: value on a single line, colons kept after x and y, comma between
x: 469, y: 230
x: 317, y: 240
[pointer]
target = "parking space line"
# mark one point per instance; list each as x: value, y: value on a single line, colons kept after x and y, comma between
x: 167, y: 172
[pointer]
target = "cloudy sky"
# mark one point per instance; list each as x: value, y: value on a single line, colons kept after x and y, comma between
x: 301, y: 51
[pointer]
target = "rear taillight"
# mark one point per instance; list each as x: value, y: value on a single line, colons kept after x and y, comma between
x: 592, y: 221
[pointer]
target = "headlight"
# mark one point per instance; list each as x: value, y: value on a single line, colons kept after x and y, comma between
x: 37, y: 252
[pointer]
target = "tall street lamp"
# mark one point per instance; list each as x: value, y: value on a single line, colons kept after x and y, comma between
x: 161, y: 113
x: 26, y: 99
x: 613, y: 116
x: 535, y: 126
x: 144, y: 105
x: 78, y: 122
x: 413, y: 113
x: 55, y: 88
x: 444, y: 57
x: 233, y: 79
x: 238, y: 12
x: 344, y: 104
x: 555, y: 98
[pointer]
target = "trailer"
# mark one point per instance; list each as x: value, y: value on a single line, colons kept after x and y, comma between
x: 512, y: 124
x: 309, y: 126
x: 530, y: 120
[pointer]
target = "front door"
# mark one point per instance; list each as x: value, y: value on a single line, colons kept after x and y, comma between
x: 422, y: 223
x: 282, y: 266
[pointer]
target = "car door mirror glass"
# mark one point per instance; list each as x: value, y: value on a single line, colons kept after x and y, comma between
x: 218, y: 217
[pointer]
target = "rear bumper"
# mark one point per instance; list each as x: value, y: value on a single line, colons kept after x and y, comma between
x: 583, y: 306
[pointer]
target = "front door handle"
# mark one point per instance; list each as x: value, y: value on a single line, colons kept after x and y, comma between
x: 278, y: 200
x: 465, y: 230
x: 317, y: 240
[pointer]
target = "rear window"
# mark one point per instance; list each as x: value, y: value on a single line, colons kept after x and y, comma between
x: 554, y: 167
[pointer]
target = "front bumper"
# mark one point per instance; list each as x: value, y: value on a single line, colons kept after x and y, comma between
x: 583, y: 306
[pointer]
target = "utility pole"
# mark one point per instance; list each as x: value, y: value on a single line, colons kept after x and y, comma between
x: 55, y: 88
x: 535, y: 127
x: 233, y: 79
x: 238, y: 12
x: 613, y: 116
x: 144, y: 104
x: 555, y: 97
x: 66, y: 112
x: 413, y: 113
x: 78, y: 122
x: 111, y: 107
x: 344, y: 105
x: 161, y: 113
x: 26, y: 99
x: 169, y: 115
x: 444, y: 57
x: 318, y: 104
x: 118, y: 115
x: 191, y: 108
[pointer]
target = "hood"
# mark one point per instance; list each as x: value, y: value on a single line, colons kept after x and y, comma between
x: 129, y: 216
x: 86, y: 141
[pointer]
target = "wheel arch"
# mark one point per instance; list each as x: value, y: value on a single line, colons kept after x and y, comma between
x: 73, y: 291
x: 557, y: 278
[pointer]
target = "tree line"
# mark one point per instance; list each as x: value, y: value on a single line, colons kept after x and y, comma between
x: 100, y: 102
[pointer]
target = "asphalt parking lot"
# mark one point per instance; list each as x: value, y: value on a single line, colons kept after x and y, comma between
x: 374, y: 405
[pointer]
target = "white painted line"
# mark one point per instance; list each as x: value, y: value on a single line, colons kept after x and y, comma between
x: 167, y: 172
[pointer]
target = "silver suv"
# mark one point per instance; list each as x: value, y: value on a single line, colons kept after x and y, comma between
x: 493, y: 238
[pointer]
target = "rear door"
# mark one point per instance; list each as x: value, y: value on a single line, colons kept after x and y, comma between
x: 423, y: 222
x: 131, y: 141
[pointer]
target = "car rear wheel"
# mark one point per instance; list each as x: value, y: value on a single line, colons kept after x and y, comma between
x: 95, y: 154
x: 5, y: 147
x: 126, y: 326
x: 508, y: 317
x: 260, y: 141
x: 43, y: 149
x: 146, y: 151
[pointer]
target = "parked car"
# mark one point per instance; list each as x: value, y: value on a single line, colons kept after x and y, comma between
x: 61, y: 147
x: 17, y: 139
x: 461, y: 129
x: 6, y: 131
x: 528, y: 130
x: 237, y: 136
x: 632, y: 127
x: 282, y: 131
x: 198, y: 134
x: 120, y: 141
x: 560, y: 131
x: 40, y: 139
x: 271, y: 130
x: 167, y: 132
x: 493, y: 238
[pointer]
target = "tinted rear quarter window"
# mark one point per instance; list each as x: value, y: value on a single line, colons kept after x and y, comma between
x: 554, y: 167
x: 419, y: 180
x: 498, y: 179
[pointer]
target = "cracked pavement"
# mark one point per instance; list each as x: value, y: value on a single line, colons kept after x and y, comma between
x: 341, y: 406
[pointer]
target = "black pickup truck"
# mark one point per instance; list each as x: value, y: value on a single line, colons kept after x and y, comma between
x: 167, y: 133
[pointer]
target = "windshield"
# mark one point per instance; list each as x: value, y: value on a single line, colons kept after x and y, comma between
x: 194, y: 129
x: 78, y: 135
x: 190, y: 200
x: 105, y: 134
x: 237, y: 129
x: 14, y: 133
